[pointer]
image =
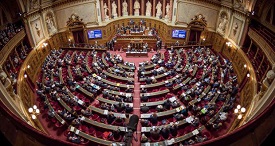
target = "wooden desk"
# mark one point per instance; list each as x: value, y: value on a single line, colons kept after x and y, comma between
x: 158, y: 76
x: 105, y: 112
x: 175, y: 140
x: 112, y: 83
x: 161, y: 114
x: 155, y: 93
x: 53, y: 111
x: 104, y: 60
x: 126, y: 67
x: 89, y: 94
x: 102, y: 125
x: 119, y: 93
x: 118, y: 77
x: 92, y: 138
x: 206, y: 90
x: 136, y: 54
x: 69, y: 109
x: 178, y: 123
x: 182, y: 84
x: 159, y: 83
x: 111, y: 101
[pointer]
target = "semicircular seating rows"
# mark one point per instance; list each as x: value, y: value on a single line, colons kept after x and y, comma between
x: 187, y: 96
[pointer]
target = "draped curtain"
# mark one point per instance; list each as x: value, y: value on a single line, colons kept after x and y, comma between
x: 78, y: 36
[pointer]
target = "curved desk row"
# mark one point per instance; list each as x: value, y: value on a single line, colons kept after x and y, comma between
x: 160, y: 83
x: 119, y: 93
x: 165, y: 113
x: 118, y: 77
x: 155, y: 93
x: 92, y: 138
x: 175, y: 140
x: 111, y: 101
x: 112, y: 83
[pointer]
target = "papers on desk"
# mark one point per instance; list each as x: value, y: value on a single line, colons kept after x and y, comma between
x: 80, y: 102
x: 166, y: 73
x: 195, y: 132
x: 58, y: 99
x: 128, y: 94
x: 72, y: 129
x: 141, y: 86
x: 120, y: 93
x: 117, y: 84
x: 172, y: 99
x: 189, y: 119
x: 180, y: 108
x: 181, y: 84
x: 204, y: 110
x: 169, y: 142
x: 147, y: 144
x: 105, y: 112
x: 94, y: 75
x: 77, y: 132
x: 99, y: 78
x: 143, y: 129
x: 82, y: 118
x: 62, y: 122
x: 166, y: 81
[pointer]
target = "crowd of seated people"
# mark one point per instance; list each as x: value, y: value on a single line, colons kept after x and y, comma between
x: 9, y: 32
x: 70, y: 90
x: 208, y: 97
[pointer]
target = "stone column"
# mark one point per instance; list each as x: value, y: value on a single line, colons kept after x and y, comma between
x: 110, y: 10
x: 131, y: 7
x: 119, y: 8
x: 163, y: 8
x: 245, y: 31
x: 154, y: 8
x: 171, y: 9
x: 102, y: 11
x: 142, y: 8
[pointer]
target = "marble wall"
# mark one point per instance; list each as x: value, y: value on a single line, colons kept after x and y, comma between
x: 186, y: 10
x: 86, y: 10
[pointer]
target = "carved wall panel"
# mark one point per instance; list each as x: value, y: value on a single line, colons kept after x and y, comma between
x: 236, y: 29
x: 186, y: 11
x: 85, y: 10
x: 37, y: 29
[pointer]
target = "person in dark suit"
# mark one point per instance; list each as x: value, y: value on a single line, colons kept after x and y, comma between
x: 155, y: 133
x: 165, y: 132
x: 128, y: 108
x: 144, y: 98
x: 144, y: 108
x: 110, y: 118
x: 154, y: 118
x: 173, y: 129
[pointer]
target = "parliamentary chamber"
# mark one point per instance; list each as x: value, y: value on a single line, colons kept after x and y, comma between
x: 239, y: 31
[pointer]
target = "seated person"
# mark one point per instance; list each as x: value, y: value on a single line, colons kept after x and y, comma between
x: 154, y: 118
x: 173, y: 129
x: 144, y: 98
x: 154, y: 132
x: 144, y: 108
x: 128, y: 108
x: 159, y: 108
x: 144, y: 138
x: 144, y: 122
x: 110, y: 118
x: 165, y: 132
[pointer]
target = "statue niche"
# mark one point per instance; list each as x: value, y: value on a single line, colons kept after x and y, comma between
x: 223, y: 21
x: 49, y: 19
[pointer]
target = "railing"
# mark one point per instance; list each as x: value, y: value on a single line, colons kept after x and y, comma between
x: 267, y: 48
x: 4, y: 53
